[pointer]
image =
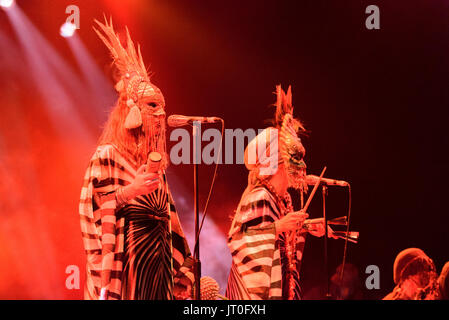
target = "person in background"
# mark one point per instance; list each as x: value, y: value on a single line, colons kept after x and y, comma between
x: 443, y: 282
x: 348, y: 288
x: 415, y: 277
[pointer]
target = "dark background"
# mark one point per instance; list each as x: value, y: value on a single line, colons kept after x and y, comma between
x: 375, y: 103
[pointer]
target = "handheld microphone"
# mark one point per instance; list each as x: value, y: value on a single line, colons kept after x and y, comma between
x: 177, y: 120
x: 154, y: 162
x: 312, y: 179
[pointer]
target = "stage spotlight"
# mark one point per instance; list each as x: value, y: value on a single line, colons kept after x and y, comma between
x: 6, y: 3
x: 67, y: 30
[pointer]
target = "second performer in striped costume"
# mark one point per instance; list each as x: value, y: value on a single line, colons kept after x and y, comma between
x: 265, y: 260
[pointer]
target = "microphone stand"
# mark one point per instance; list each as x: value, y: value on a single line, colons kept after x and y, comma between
x: 326, y: 266
x: 196, y: 255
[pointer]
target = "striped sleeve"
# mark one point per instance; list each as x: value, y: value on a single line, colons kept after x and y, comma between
x: 104, y: 188
x: 108, y: 237
x: 253, y: 246
x: 102, y: 232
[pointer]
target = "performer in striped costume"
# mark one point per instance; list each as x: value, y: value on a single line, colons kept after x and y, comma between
x: 266, y: 239
x: 133, y: 239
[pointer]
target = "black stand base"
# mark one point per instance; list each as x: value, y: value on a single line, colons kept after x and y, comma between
x: 197, y: 285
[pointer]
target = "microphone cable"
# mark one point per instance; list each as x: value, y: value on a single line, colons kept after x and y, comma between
x: 197, y: 236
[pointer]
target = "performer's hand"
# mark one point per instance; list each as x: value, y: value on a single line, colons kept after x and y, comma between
x: 144, y: 183
x: 290, y: 222
x: 317, y: 228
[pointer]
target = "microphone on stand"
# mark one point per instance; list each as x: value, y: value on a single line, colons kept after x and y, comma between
x: 177, y: 120
x: 312, y: 179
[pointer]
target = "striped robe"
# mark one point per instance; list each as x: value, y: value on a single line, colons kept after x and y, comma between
x: 259, y: 268
x: 103, y: 225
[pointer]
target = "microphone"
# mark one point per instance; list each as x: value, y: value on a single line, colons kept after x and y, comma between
x: 209, y: 289
x: 177, y: 120
x: 312, y: 179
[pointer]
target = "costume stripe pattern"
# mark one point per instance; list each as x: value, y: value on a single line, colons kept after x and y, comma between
x: 257, y: 271
x: 103, y: 231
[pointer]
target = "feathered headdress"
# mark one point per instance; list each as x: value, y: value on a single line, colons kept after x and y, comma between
x: 290, y: 147
x: 134, y: 83
x: 284, y: 106
x: 278, y: 144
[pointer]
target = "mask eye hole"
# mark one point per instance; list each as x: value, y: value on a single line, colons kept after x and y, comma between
x: 152, y: 104
x: 298, y: 156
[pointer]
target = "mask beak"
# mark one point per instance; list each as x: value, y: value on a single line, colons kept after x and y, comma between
x: 159, y: 113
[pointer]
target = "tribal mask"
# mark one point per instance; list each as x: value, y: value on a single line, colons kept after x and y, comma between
x: 144, y: 101
x: 291, y: 150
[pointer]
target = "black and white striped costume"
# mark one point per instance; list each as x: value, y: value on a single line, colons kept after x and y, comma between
x: 259, y: 263
x: 128, y: 248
